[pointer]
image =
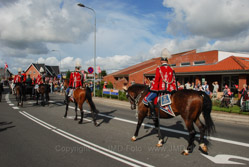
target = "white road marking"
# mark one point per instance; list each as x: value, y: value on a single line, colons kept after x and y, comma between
x: 171, y: 130
x: 16, y: 108
x: 85, y: 143
x: 224, y: 159
x: 11, y: 104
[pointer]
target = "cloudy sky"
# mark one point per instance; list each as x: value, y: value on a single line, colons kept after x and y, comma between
x: 128, y: 31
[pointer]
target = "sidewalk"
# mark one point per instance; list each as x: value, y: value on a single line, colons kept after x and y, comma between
x: 216, y: 115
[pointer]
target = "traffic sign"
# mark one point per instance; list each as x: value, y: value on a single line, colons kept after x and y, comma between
x: 90, y: 70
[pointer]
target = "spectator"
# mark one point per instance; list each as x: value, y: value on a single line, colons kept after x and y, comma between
x: 215, y: 90
x: 225, y: 91
x: 98, y: 86
x: 205, y: 86
x: 196, y: 88
x: 243, y: 91
x: 187, y: 85
x: 207, y: 91
x: 192, y: 86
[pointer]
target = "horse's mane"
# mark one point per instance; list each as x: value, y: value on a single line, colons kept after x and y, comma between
x: 136, y: 88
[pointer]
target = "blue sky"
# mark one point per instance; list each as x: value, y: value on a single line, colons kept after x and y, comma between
x: 128, y: 31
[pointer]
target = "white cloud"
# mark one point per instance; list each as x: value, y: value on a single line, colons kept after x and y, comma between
x: 27, y: 25
x: 209, y: 18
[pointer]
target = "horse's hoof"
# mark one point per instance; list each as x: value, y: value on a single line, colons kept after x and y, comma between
x: 80, y: 122
x: 96, y: 124
x: 64, y: 116
x: 185, y: 152
x: 133, y: 138
x: 160, y: 143
x: 203, y: 148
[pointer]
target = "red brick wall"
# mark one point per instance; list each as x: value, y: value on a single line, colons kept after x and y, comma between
x: 32, y: 71
x: 209, y: 58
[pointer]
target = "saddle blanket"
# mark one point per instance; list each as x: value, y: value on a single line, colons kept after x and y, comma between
x: 164, y: 104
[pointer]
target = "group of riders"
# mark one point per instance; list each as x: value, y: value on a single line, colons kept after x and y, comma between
x: 28, y: 85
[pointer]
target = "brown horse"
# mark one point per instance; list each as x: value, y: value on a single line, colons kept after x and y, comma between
x: 44, y: 92
x: 19, y: 94
x: 187, y: 103
x: 80, y: 95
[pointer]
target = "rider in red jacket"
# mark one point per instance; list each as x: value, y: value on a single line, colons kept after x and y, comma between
x: 75, y: 81
x: 18, y: 77
x: 164, y: 81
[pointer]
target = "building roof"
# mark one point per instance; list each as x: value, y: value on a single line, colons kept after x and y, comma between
x: 229, y: 64
x: 51, y: 70
x: 135, y: 68
x: 234, y: 64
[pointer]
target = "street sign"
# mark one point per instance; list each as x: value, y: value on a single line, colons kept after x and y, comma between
x: 90, y: 70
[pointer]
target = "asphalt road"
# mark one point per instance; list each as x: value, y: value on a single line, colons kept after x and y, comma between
x: 40, y: 136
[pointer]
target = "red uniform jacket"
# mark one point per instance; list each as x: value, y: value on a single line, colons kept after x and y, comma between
x: 39, y: 80
x: 164, y: 79
x: 75, y: 79
x: 17, y: 79
x: 24, y: 77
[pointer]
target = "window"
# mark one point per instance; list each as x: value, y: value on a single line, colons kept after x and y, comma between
x: 199, y: 62
x: 185, y: 64
x: 173, y: 65
x: 34, y: 72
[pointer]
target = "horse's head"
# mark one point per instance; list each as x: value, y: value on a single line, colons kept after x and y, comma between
x: 66, y: 84
x: 134, y: 93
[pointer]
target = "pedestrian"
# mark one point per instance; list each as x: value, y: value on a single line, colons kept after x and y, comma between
x: 187, y: 85
x: 205, y: 86
x: 215, y: 90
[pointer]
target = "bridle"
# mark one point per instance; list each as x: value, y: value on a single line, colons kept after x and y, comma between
x: 134, y: 100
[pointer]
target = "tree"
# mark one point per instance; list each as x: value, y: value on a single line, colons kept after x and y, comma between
x: 103, y: 73
x: 68, y: 74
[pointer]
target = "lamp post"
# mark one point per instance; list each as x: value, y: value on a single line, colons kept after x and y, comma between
x: 83, y: 6
x: 60, y: 61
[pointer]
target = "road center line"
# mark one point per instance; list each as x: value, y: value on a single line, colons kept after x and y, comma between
x: 92, y: 146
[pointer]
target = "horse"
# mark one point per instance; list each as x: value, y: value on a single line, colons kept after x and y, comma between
x: 19, y: 89
x: 80, y: 95
x: 44, y: 92
x: 187, y: 103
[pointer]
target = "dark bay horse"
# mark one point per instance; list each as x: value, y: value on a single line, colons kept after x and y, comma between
x: 187, y: 103
x: 81, y: 95
x: 44, y: 92
x: 19, y: 94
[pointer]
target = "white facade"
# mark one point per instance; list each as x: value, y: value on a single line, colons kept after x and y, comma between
x: 223, y: 55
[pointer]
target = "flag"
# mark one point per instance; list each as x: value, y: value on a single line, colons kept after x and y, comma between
x: 6, y: 66
x: 99, y: 70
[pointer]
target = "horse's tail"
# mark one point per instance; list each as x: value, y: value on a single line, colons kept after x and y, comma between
x: 90, y: 101
x: 206, y: 111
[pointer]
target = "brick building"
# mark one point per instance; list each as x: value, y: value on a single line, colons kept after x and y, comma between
x: 225, y: 67
x: 34, y: 69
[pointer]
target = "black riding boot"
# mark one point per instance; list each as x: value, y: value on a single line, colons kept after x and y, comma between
x: 152, y: 110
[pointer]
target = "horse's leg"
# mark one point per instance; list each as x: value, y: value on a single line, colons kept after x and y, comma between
x: 160, y: 141
x: 141, y: 115
x: 76, y: 108
x: 37, y: 97
x: 202, y: 129
x: 65, y: 115
x: 192, y: 133
x: 81, y: 113
x: 42, y: 99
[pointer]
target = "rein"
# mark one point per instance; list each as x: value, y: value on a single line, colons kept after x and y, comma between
x: 137, y: 98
